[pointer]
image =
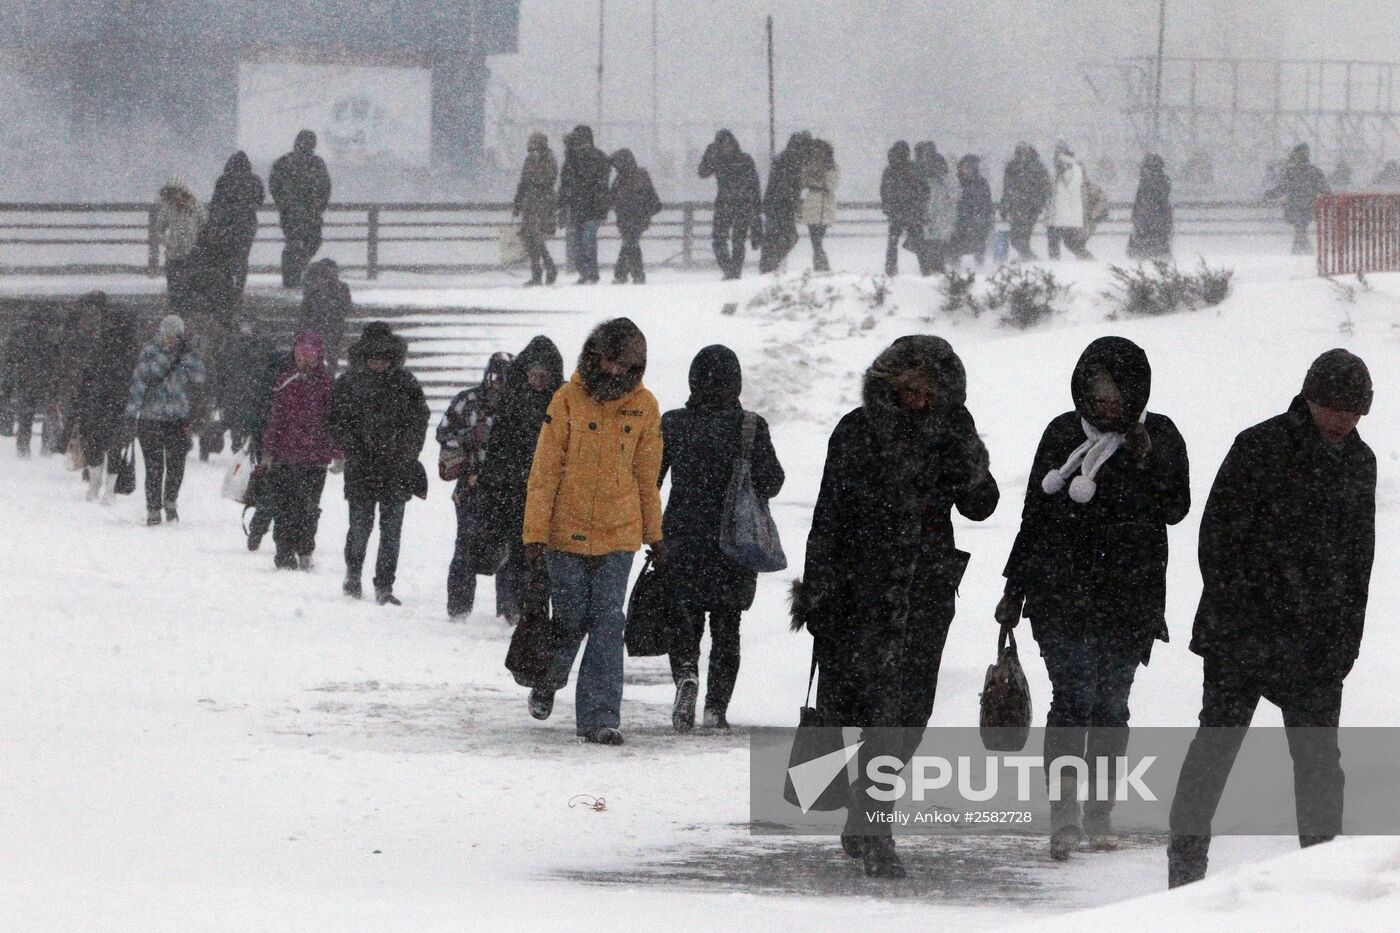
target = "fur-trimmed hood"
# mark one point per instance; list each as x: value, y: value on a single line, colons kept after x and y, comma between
x: 932, y: 356
x: 612, y: 339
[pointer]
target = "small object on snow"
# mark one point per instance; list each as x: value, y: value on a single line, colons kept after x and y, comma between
x: 729, y: 308
x: 376, y: 852
x: 596, y: 804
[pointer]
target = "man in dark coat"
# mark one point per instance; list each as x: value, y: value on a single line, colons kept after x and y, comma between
x: 243, y: 386
x: 882, y: 569
x: 738, y: 202
x: 31, y: 355
x: 976, y: 213
x: 462, y: 436
x: 534, y: 204
x: 1299, y: 187
x: 1089, y: 566
x: 904, y: 201
x: 102, y: 392
x: 301, y: 189
x: 780, y: 202
x: 1287, y: 542
x: 700, y: 444
x: 534, y: 376
x: 584, y: 199
x: 1152, y: 212
x: 325, y: 306
x: 635, y: 200
x: 379, y: 418
x: 1025, y: 190
x: 226, y: 239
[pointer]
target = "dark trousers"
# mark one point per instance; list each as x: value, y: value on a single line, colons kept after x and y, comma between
x: 900, y: 230
x: 820, y: 263
x: 629, y: 260
x: 1073, y: 239
x: 303, y: 240
x: 1302, y: 244
x: 461, y: 582
x: 24, y: 432
x: 724, y: 655
x: 357, y: 540
x: 1312, y: 708
x: 536, y: 247
x: 583, y: 234
x: 779, y: 237
x: 1091, y: 679
x: 1020, y: 237
x: 293, y: 495
x: 727, y: 236
x: 164, y: 446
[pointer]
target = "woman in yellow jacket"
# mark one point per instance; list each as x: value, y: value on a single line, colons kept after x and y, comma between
x: 592, y: 502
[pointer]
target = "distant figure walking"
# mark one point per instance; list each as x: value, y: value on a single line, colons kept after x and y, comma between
x: 301, y: 189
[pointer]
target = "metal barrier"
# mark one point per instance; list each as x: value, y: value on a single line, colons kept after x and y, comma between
x: 1358, y: 233
x: 372, y: 238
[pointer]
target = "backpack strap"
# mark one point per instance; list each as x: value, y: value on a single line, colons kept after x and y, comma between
x: 746, y: 435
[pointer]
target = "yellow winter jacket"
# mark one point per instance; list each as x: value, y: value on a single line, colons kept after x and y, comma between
x: 593, y: 487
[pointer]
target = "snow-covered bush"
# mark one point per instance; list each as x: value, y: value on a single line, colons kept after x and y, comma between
x: 1024, y: 295
x: 1160, y: 288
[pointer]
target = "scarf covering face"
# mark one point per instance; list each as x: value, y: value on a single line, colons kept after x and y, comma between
x: 716, y: 380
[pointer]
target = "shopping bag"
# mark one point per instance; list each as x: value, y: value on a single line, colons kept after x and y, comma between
x: 1005, y: 720
x: 747, y: 533
x: 511, y: 243
x: 815, y: 739
x: 653, y: 616
x: 238, y: 478
x: 537, y: 638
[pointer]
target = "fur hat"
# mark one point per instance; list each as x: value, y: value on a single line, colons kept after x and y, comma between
x: 1339, y: 380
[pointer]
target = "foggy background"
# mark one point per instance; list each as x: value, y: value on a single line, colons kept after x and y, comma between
x: 975, y: 76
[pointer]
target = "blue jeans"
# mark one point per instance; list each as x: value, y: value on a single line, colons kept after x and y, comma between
x: 357, y: 540
x: 1091, y: 681
x: 584, y: 235
x: 588, y: 594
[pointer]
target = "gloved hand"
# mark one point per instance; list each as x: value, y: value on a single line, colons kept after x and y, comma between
x: 535, y: 556
x: 658, y: 552
x: 1139, y: 443
x: 338, y: 465
x: 1008, y: 611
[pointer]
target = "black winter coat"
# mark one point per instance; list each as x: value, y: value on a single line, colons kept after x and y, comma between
x: 1152, y: 217
x: 233, y: 213
x: 976, y: 214
x: 738, y: 194
x: 380, y: 421
x: 301, y: 186
x: 699, y: 449
x: 244, y: 363
x: 1025, y: 190
x: 1299, y: 188
x: 325, y: 306
x: 31, y: 358
x: 633, y: 196
x: 903, y: 194
x: 106, y: 382
x: 1101, y: 567
x: 583, y: 185
x: 1287, y: 542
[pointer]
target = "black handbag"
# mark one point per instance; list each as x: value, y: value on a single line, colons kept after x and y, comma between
x: 490, y: 546
x: 537, y: 638
x: 653, y: 616
x: 125, y: 483
x: 815, y: 739
x: 1005, y: 720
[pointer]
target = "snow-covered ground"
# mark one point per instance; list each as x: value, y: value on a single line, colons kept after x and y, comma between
x: 191, y: 740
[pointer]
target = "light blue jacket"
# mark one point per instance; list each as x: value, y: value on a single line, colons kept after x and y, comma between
x: 160, y: 385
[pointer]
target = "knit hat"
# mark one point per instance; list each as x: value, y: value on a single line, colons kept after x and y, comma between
x: 171, y: 326
x: 1339, y: 380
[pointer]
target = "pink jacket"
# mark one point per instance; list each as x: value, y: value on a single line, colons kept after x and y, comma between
x: 296, y: 433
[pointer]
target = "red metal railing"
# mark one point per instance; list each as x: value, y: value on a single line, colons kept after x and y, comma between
x: 1358, y: 233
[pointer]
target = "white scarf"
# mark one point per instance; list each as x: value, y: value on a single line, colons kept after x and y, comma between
x: 1087, y: 459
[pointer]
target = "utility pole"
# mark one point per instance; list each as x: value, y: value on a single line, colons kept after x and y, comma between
x: 1157, y: 87
x: 655, y: 107
x: 772, y: 118
x: 598, y: 119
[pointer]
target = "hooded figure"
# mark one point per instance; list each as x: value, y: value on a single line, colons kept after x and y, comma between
x: 301, y: 189
x: 820, y: 179
x: 243, y: 366
x: 227, y: 239
x: 882, y: 568
x: 161, y: 403
x: 1025, y: 189
x: 325, y: 306
x: 535, y: 206
x: 781, y: 201
x: 904, y: 198
x: 1152, y: 212
x: 1065, y: 219
x: 584, y: 199
x: 1287, y: 544
x: 1089, y: 565
x: 1299, y: 187
x: 738, y: 201
x: 701, y: 443
x: 976, y: 212
x: 591, y: 503
x: 636, y: 203
x: 462, y: 435
x: 179, y: 218
x: 942, y: 209
x: 379, y: 418
x: 106, y: 377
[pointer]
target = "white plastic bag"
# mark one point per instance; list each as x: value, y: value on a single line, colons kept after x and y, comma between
x: 239, y: 477
x: 512, y: 245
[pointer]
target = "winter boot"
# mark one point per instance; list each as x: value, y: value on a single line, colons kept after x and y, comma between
x: 305, y: 562
x: 254, y: 540
x: 1065, y: 831
x: 1098, y: 819
x: 284, y: 561
x: 351, y: 586
x: 550, y: 272
x: 853, y: 845
x: 385, y: 596
x: 715, y: 719
x: 541, y: 702
x: 171, y: 514
x: 1187, y: 859
x: 153, y: 516
x: 881, y: 860
x: 94, y: 484
x: 604, y: 735
x: 683, y: 710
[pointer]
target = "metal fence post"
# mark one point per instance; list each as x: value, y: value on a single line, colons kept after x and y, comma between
x: 688, y: 235
x: 372, y: 245
x: 152, y: 244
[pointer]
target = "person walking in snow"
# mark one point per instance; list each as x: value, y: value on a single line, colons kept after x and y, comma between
x: 1025, y: 190
x: 160, y: 407
x: 1299, y: 186
x: 31, y: 354
x: 701, y: 442
x: 592, y: 502
x: 904, y: 201
x: 882, y: 567
x: 534, y: 204
x: 635, y: 200
x: 1089, y: 568
x: 379, y: 418
x: 297, y: 450
x: 325, y: 307
x: 1065, y: 217
x: 179, y: 218
x: 243, y: 388
x: 976, y: 212
x: 1287, y: 544
x: 462, y: 436
x: 227, y: 238
x: 584, y: 199
x: 534, y: 376
x: 942, y: 209
x: 301, y: 188
x: 781, y: 202
x: 102, y: 395
x: 1152, y: 212
x: 820, y: 179
x: 738, y: 202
